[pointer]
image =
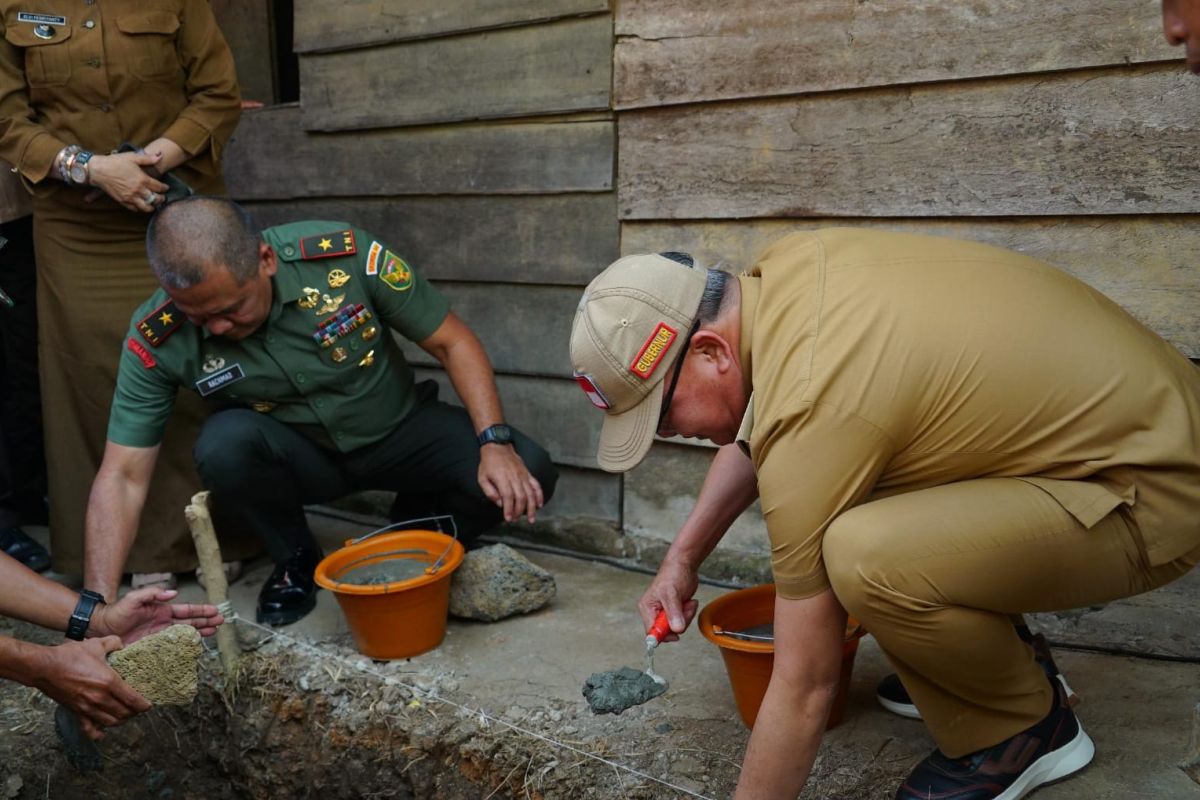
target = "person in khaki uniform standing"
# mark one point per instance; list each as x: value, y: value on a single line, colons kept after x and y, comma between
x: 942, y: 434
x: 77, y: 81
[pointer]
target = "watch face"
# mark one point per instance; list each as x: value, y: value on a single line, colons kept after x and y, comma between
x: 500, y: 434
x: 79, y: 168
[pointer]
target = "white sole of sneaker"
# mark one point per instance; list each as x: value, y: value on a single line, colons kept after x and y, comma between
x: 906, y: 710
x: 1054, y: 766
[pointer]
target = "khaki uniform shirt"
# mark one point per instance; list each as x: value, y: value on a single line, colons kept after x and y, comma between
x: 883, y: 363
x: 324, y: 360
x: 111, y: 72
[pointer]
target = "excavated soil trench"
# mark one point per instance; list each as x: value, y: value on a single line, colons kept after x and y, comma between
x: 301, y: 725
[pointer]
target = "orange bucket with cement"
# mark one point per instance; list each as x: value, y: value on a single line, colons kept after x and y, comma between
x: 394, y: 618
x: 749, y: 658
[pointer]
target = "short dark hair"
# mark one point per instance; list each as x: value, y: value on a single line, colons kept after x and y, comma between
x: 188, y: 237
x: 712, y: 302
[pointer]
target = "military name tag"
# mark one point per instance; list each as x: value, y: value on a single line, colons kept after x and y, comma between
x: 41, y: 19
x: 219, y: 380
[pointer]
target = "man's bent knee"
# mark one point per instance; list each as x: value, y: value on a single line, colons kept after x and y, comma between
x: 230, y: 445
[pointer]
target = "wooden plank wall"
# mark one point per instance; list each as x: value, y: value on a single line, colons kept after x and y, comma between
x: 476, y: 137
x: 1064, y: 130
x: 480, y: 137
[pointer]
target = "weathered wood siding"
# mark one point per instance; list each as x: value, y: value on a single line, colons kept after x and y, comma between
x: 479, y: 138
x: 440, y: 127
x: 688, y: 51
x: 1063, y: 130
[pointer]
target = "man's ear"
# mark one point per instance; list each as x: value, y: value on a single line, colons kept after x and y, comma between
x: 714, y: 348
x: 268, y: 264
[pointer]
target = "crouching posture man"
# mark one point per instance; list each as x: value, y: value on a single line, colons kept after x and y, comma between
x: 942, y: 434
x: 289, y: 335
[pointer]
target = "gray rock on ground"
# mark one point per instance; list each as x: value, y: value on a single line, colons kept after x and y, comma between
x: 163, y: 666
x: 496, y: 582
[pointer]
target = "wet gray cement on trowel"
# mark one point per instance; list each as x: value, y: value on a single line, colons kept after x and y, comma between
x: 617, y: 690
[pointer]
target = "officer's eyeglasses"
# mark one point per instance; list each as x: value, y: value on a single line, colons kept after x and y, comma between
x: 666, y: 405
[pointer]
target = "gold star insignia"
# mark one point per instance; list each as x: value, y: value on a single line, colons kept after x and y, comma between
x: 325, y: 244
x: 165, y: 318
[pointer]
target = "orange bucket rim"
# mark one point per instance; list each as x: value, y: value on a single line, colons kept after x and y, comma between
x: 854, y: 629
x: 455, y: 552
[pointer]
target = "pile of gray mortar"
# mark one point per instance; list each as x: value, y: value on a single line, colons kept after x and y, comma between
x: 163, y: 666
x: 613, y: 692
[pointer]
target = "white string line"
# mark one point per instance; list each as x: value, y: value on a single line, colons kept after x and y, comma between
x: 429, y: 694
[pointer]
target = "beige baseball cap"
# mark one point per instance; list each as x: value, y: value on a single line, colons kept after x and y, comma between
x: 630, y: 327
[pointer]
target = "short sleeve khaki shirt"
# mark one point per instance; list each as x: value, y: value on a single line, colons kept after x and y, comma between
x: 883, y: 363
x: 325, y: 358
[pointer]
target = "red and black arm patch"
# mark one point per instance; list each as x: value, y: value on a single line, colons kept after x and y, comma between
x: 327, y: 245
x: 139, y: 350
x: 160, y: 323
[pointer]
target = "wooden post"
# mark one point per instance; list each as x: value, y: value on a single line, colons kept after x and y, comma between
x: 209, y: 554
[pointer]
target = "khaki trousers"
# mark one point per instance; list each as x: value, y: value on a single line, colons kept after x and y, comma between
x: 936, y: 575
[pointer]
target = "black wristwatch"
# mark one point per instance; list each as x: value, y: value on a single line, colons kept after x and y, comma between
x: 81, y: 617
x: 496, y: 434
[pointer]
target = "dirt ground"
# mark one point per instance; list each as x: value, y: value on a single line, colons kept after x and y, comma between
x: 496, y: 712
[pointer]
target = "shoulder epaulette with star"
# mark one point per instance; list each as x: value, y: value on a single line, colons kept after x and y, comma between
x: 326, y: 245
x: 160, y: 323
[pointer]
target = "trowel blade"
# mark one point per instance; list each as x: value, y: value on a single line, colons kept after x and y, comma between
x: 82, y: 753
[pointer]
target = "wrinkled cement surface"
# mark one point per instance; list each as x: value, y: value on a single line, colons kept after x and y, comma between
x: 497, y: 582
x: 162, y: 667
x: 619, y: 690
x: 381, y: 572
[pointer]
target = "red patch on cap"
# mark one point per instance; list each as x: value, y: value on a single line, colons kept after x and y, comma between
x: 652, y: 352
x: 592, y: 391
x: 141, y: 352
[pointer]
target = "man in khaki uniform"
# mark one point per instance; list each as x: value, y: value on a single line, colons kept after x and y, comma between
x: 943, y: 434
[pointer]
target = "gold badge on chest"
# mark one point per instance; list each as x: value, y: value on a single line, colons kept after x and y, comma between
x: 367, y: 360
x: 337, y: 278
x: 310, y: 299
x: 330, y: 304
x: 212, y: 364
x: 339, y: 354
x: 369, y: 333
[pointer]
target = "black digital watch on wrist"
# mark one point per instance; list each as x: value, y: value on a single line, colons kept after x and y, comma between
x: 496, y: 434
x: 81, y: 617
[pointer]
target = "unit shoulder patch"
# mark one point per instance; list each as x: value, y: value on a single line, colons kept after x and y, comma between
x: 160, y: 323
x: 395, y: 272
x: 327, y: 245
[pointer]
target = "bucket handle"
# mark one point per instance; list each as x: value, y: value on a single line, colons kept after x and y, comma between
x: 437, y: 562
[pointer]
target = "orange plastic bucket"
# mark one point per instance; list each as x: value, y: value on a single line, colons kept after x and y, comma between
x: 405, y: 617
x: 749, y: 663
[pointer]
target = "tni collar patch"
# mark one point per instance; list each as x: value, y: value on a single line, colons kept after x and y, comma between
x: 327, y: 245
x: 160, y: 323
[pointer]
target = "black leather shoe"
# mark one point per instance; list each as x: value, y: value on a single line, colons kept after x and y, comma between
x: 290, y: 593
x: 16, y: 543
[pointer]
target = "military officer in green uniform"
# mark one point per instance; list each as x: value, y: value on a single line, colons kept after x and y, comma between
x: 288, y: 336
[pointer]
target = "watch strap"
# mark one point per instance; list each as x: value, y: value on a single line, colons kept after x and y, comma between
x: 81, y: 617
x: 495, y: 434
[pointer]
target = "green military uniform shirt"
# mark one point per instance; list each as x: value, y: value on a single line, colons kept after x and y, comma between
x: 323, y: 360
